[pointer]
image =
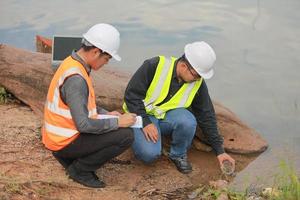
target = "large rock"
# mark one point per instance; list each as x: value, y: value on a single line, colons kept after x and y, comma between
x: 27, y: 75
x: 238, y: 137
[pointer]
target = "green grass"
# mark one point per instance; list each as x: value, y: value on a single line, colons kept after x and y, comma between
x: 236, y: 195
x: 6, y: 97
x: 286, y: 187
x: 3, y: 95
x: 287, y: 184
x: 13, y: 187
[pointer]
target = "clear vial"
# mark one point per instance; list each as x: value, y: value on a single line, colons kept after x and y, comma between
x: 227, y: 167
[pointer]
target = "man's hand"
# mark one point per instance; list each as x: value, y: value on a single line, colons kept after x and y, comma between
x: 126, y: 120
x: 224, y: 156
x: 116, y: 113
x: 151, y: 133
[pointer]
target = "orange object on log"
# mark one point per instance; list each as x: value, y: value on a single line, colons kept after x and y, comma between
x: 43, y: 44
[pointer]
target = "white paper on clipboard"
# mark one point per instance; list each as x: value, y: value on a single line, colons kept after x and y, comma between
x: 137, y: 124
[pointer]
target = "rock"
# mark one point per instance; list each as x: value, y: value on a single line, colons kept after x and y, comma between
x: 223, y: 196
x: 201, y: 146
x: 269, y: 192
x: 196, y: 192
x: 254, y: 198
x: 219, y: 184
x: 253, y: 190
x: 238, y: 137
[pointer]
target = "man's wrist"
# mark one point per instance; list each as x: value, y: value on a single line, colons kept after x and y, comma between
x: 146, y: 121
x: 219, y: 150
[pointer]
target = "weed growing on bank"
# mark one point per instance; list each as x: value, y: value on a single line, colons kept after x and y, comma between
x: 286, y: 187
x: 3, y: 95
x: 287, y: 184
x: 6, y: 97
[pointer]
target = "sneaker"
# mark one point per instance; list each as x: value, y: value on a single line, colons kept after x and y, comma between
x: 182, y: 164
x: 89, y: 179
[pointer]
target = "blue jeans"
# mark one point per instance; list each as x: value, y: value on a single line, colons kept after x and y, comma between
x: 179, y: 123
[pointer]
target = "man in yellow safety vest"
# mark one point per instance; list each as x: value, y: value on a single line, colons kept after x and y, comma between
x: 172, y: 98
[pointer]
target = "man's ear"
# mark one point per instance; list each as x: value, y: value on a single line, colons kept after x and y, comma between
x: 181, y: 65
x: 95, y: 52
x: 184, y: 65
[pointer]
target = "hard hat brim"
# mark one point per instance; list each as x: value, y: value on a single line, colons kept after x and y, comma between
x: 207, y: 75
x: 117, y: 57
x: 99, y: 46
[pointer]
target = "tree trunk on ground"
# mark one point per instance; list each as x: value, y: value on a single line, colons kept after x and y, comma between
x: 27, y: 76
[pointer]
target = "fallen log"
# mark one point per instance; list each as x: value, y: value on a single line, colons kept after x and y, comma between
x: 27, y: 75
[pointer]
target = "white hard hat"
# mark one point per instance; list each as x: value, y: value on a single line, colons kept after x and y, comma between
x: 105, y: 37
x: 202, y: 57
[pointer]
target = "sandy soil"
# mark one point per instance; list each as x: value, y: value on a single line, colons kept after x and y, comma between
x: 28, y: 170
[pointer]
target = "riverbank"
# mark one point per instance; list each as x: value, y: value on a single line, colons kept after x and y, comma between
x: 29, y: 171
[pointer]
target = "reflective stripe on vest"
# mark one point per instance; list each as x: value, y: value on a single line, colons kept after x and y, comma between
x: 65, y: 132
x: 159, y: 88
x: 182, y: 99
x: 162, y: 76
x: 54, y: 105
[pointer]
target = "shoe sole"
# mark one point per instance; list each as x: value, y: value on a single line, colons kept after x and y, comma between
x: 185, y: 171
x: 83, y: 183
x: 86, y: 185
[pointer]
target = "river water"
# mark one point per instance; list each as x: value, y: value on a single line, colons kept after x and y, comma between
x: 257, y: 44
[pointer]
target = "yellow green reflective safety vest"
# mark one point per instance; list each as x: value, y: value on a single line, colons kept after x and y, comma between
x: 159, y: 89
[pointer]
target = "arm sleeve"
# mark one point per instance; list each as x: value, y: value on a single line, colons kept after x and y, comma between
x: 101, y: 110
x: 204, y: 112
x: 137, y: 87
x: 74, y: 93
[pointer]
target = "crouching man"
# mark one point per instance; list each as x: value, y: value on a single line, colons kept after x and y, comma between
x: 172, y: 97
x: 78, y: 140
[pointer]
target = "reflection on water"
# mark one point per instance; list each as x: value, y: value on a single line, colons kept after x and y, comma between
x: 257, y: 45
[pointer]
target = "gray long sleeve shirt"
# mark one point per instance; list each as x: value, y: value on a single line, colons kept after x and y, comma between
x: 201, y: 107
x: 74, y: 92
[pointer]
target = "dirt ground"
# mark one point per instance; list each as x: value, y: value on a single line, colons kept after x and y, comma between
x: 28, y: 170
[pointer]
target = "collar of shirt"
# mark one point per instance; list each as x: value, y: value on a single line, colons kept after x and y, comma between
x: 174, y: 75
x: 75, y: 56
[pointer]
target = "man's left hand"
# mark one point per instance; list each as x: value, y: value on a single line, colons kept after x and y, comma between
x: 224, y: 156
x: 116, y: 113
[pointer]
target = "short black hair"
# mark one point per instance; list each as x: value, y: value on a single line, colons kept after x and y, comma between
x: 88, y: 48
x: 185, y: 60
x: 182, y: 58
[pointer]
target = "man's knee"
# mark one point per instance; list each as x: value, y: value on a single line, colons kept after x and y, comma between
x: 187, y: 123
x: 147, y: 156
x: 182, y: 116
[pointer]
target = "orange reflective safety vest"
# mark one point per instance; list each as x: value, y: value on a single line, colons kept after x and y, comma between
x: 59, y: 128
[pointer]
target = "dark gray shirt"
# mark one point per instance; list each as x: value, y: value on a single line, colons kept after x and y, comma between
x: 201, y: 107
x: 74, y: 92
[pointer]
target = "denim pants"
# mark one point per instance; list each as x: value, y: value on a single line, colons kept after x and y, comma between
x: 179, y: 123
